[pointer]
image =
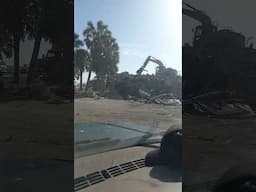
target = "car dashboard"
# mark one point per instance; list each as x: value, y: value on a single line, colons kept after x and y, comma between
x: 124, y: 170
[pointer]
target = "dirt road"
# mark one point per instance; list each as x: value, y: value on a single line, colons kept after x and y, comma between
x: 106, y: 110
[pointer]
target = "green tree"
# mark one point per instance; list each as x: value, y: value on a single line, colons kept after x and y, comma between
x: 104, y: 51
x: 77, y: 42
x: 47, y: 23
x: 37, y: 26
x: 81, y: 63
x: 15, y: 21
x: 81, y: 59
x: 5, y: 44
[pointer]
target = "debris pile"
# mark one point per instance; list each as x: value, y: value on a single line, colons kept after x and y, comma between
x: 165, y: 99
x: 163, y: 87
x: 218, y: 104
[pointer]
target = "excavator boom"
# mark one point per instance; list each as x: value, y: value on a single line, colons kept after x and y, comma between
x: 198, y: 15
x: 149, y: 58
x: 206, y: 26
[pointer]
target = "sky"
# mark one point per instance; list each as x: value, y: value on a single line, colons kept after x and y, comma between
x: 141, y: 28
x: 153, y: 27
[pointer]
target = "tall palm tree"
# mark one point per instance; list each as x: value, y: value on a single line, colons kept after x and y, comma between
x: 47, y: 24
x: 37, y: 24
x: 16, y: 20
x: 81, y: 63
x: 5, y: 43
x: 13, y: 20
x: 77, y: 42
x: 81, y: 59
x: 103, y: 49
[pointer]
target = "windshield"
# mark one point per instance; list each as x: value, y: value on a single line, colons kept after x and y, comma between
x: 127, y: 78
x: 93, y: 137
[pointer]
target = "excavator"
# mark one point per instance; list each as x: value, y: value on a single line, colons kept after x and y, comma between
x: 220, y: 52
x: 206, y: 26
x: 153, y: 59
x: 208, y: 39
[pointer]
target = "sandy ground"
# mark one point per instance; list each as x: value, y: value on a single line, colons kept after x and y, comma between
x: 36, y: 141
x: 106, y: 110
x: 212, y: 146
x: 27, y: 131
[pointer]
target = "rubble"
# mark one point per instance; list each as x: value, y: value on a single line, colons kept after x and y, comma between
x: 144, y: 94
x: 218, y: 104
x: 165, y: 99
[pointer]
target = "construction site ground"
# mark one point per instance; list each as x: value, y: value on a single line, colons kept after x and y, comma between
x: 212, y: 146
x: 33, y: 147
x: 26, y: 133
x: 107, y: 110
x: 26, y: 126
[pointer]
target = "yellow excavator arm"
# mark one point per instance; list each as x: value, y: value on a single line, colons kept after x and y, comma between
x: 149, y: 58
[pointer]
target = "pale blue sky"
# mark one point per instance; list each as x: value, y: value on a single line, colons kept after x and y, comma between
x: 141, y: 27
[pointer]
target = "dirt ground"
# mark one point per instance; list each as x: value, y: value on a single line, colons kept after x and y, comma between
x: 33, y: 147
x: 24, y: 124
x: 212, y: 146
x: 107, y: 110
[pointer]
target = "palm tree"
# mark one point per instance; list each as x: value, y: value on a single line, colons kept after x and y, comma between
x: 103, y: 49
x: 82, y: 59
x: 5, y: 43
x: 77, y: 42
x: 15, y: 24
x: 16, y: 20
x: 37, y: 24
x: 47, y: 23
x: 81, y: 63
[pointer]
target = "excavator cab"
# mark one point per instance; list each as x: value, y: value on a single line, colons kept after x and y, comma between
x: 202, y: 31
